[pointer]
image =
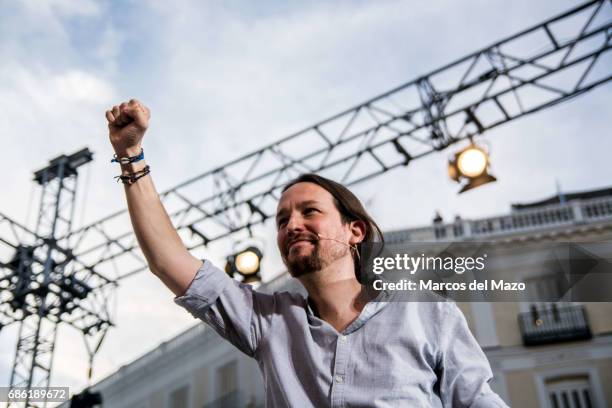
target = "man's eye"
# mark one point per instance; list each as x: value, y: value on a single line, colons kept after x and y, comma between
x: 281, y: 222
x: 310, y: 210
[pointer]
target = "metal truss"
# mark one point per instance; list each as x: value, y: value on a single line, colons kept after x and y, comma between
x: 481, y: 91
x: 43, y: 284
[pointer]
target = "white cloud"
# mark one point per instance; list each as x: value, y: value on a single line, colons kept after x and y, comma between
x: 65, y: 8
x: 78, y: 86
x: 107, y: 52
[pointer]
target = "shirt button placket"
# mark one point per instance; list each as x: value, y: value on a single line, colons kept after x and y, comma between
x: 339, y: 379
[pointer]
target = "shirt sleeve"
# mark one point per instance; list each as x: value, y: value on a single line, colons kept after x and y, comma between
x: 465, y: 370
x: 225, y: 304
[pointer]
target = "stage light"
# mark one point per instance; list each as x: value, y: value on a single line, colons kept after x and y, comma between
x: 246, y: 263
x: 472, y: 162
x: 470, y: 166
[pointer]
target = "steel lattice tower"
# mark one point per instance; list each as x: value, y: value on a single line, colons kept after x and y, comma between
x: 44, y: 291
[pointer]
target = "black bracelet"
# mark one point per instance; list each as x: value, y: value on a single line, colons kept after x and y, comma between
x: 128, y: 160
x: 133, y: 177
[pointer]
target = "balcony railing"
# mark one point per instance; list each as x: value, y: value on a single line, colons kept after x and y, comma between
x: 575, y: 212
x: 554, y: 324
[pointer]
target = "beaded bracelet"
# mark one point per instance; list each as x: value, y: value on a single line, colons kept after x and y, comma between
x: 133, y: 177
x: 128, y: 160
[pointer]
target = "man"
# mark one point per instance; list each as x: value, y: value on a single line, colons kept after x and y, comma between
x: 344, y: 345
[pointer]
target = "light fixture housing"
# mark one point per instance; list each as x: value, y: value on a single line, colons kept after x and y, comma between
x: 470, y: 166
x: 245, y: 263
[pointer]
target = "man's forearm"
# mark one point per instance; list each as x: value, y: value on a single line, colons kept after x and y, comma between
x: 166, y: 255
x: 165, y: 252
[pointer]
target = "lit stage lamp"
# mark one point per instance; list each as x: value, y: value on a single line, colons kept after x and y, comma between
x: 245, y: 263
x: 471, y: 167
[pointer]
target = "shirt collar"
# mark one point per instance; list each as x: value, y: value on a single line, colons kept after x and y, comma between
x: 372, y: 308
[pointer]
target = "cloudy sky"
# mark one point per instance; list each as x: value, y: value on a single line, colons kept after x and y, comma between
x: 224, y: 78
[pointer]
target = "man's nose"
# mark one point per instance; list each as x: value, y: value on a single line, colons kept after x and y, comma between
x: 295, y: 223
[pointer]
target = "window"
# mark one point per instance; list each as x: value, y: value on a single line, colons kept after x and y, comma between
x: 226, y: 378
x: 179, y: 398
x: 569, y: 392
x: 546, y: 288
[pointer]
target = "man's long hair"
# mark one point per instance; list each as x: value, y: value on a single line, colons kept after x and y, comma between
x: 350, y: 209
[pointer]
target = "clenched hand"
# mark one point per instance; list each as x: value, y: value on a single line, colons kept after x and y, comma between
x: 127, y: 124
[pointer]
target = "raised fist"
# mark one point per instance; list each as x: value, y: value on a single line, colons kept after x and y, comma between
x: 127, y: 124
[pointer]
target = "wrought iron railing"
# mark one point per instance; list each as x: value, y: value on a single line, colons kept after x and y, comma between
x: 554, y: 324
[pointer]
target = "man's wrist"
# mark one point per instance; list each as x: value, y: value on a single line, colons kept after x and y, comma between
x: 128, y: 151
x: 129, y: 168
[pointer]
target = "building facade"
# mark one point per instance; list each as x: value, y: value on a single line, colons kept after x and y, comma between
x: 549, y: 355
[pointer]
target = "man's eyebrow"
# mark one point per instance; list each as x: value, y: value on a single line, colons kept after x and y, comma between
x: 308, y: 202
x: 301, y: 205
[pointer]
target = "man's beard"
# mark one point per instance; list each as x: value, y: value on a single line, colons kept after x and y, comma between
x: 313, y: 261
x: 305, y: 264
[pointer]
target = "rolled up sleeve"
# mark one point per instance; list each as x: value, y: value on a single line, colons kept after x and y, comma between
x: 465, y: 369
x: 223, y: 303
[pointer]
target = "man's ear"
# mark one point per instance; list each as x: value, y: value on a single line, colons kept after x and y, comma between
x: 358, y: 232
